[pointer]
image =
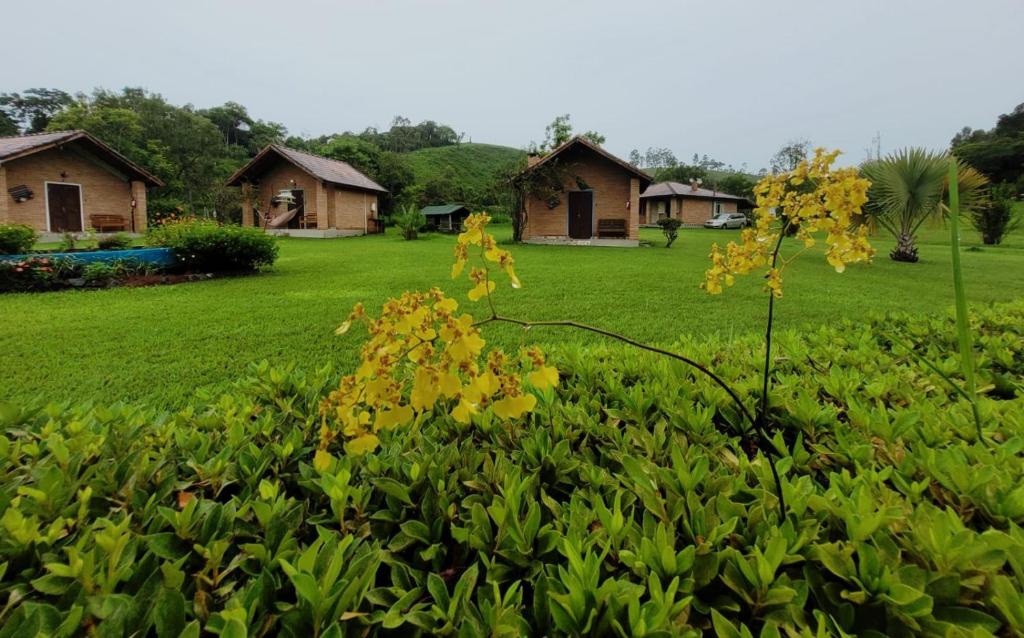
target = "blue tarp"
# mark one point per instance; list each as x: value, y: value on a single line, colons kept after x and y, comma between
x: 157, y: 256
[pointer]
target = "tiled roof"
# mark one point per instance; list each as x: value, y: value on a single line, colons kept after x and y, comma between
x: 12, y: 148
x: 675, y: 189
x: 328, y: 170
x: 582, y: 141
x: 17, y: 145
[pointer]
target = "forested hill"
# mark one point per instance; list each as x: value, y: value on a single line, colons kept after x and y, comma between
x: 473, y: 165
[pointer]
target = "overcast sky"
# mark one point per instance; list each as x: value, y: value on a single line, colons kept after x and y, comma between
x: 731, y: 79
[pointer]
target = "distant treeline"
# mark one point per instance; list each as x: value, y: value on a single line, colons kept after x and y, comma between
x: 194, y: 150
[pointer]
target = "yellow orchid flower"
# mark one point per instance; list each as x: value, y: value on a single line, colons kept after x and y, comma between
x: 514, y: 407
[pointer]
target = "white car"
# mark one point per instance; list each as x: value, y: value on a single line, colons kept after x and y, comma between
x: 727, y: 220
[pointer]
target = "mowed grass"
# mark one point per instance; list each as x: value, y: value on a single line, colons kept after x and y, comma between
x: 161, y: 344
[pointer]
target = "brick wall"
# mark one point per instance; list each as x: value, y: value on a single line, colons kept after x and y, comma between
x: 103, y: 192
x: 698, y: 211
x: 248, y: 197
x: 353, y: 208
x: 693, y: 210
x: 139, y: 197
x: 616, y: 196
x: 5, y: 199
x: 334, y: 206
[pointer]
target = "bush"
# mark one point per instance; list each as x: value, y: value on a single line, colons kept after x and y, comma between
x: 68, y: 242
x: 119, y: 241
x: 206, y: 246
x: 998, y: 217
x: 670, y: 228
x: 36, y: 273
x: 16, y: 239
x: 625, y: 506
x: 409, y: 221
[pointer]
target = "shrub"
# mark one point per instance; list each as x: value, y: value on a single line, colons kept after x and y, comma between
x: 36, y: 273
x: 621, y: 504
x: 98, y: 272
x: 68, y: 242
x: 998, y: 217
x: 206, y: 246
x: 409, y: 221
x: 16, y: 239
x: 670, y: 228
x: 119, y: 241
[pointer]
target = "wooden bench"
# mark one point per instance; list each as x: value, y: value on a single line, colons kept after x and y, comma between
x: 612, y: 228
x: 103, y: 223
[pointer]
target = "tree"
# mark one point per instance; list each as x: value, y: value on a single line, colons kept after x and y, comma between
x: 791, y: 154
x: 241, y: 130
x: 670, y: 228
x: 182, y: 147
x: 739, y: 184
x: 999, y: 152
x: 654, y: 158
x: 388, y: 169
x: 999, y: 217
x: 1010, y: 124
x: 907, y: 188
x: 682, y: 173
x: 32, y: 110
x: 7, y: 125
x: 559, y: 132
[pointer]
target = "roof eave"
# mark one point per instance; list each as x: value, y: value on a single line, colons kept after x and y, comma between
x: 146, y: 176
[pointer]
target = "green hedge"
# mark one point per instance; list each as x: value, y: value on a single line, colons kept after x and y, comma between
x: 16, y: 239
x: 206, y: 246
x: 622, y: 507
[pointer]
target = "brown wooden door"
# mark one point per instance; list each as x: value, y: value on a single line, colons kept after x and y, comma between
x: 64, y: 206
x: 581, y: 214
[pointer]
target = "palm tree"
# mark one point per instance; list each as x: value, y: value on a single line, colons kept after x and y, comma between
x: 908, y: 187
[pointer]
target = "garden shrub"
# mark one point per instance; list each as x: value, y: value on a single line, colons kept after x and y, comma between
x: 998, y: 216
x: 409, y: 221
x: 37, y: 273
x: 117, y: 241
x: 16, y: 239
x: 68, y: 242
x: 206, y: 246
x: 669, y: 228
x: 623, y: 505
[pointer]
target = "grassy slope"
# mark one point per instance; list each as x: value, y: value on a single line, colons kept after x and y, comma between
x: 162, y: 343
x: 473, y: 165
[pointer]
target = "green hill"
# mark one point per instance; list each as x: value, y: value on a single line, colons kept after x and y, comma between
x: 471, y: 165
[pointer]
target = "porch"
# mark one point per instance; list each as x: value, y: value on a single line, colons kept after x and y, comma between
x: 593, y: 241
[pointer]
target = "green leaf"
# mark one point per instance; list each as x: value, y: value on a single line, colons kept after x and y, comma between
x: 169, y: 614
x: 438, y: 590
x: 417, y: 530
x: 724, y: 628
x: 393, y: 488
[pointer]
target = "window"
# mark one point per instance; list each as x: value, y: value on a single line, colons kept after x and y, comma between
x: 718, y: 208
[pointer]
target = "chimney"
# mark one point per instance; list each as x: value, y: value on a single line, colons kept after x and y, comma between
x: 694, y: 184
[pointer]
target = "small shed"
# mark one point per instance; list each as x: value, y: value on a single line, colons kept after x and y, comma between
x: 445, y: 217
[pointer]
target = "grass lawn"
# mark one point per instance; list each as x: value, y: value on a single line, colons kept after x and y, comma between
x: 162, y: 343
